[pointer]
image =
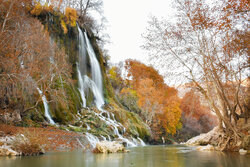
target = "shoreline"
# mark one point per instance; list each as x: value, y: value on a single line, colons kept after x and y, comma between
x: 50, y: 138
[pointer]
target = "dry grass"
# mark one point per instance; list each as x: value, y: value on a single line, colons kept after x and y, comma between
x: 29, y: 143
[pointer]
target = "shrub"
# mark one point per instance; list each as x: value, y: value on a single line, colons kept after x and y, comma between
x: 29, y: 143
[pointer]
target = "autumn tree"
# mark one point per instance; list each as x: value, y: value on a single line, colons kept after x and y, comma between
x: 29, y: 60
x: 203, y: 45
x: 159, y: 102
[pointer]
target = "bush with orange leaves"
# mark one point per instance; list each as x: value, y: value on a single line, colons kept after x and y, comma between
x: 29, y: 143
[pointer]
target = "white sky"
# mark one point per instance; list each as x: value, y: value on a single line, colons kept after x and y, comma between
x: 127, y: 20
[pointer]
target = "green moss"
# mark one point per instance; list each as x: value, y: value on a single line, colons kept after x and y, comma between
x: 32, y: 118
x: 133, y: 123
x: 75, y: 128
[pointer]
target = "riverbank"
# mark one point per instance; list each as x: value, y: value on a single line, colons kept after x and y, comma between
x: 216, y: 139
x: 50, y: 138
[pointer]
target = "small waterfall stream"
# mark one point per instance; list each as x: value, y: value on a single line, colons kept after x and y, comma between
x: 46, y: 107
x: 96, y: 86
x: 45, y: 102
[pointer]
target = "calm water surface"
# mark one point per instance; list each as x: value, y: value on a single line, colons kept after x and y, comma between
x: 149, y: 156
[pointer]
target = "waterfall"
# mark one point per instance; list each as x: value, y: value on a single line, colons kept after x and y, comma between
x: 141, y: 142
x: 81, y: 66
x: 81, y: 86
x: 99, y: 100
x: 46, y: 107
x: 95, y: 85
x: 92, y: 139
x: 88, y: 128
x: 95, y: 67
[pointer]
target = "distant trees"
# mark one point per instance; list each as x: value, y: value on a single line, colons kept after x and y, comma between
x: 159, y: 102
x: 207, y: 44
x: 142, y: 90
x: 196, y: 116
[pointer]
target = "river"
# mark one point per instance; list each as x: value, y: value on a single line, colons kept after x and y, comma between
x: 148, y: 156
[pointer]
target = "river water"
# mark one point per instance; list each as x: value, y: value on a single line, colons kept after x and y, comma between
x: 148, y: 156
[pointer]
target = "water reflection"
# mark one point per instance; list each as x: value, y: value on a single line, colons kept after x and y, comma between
x: 150, y: 156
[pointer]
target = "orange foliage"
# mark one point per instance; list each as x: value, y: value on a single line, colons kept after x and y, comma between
x: 193, y: 109
x: 64, y: 27
x: 159, y: 101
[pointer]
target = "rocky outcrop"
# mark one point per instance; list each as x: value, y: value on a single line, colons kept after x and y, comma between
x: 211, y: 138
x: 216, y: 139
x: 109, y: 147
x: 18, y: 145
x: 6, y: 146
x: 10, y: 117
x: 7, y: 151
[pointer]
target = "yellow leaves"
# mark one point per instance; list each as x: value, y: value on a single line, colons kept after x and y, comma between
x: 71, y: 16
x: 113, y: 73
x: 128, y: 91
x: 48, y: 8
x: 69, y: 19
x: 64, y: 27
x: 37, y: 9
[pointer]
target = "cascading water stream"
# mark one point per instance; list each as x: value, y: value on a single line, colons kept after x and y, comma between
x: 96, y: 86
x: 45, y: 102
x: 81, y: 86
x: 46, y: 107
x: 81, y: 66
x: 95, y: 67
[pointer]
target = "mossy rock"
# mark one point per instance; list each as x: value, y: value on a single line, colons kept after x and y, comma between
x: 75, y: 128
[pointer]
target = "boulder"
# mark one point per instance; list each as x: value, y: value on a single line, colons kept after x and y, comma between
x: 7, y: 151
x: 109, y: 147
x: 205, y: 138
x: 11, y: 117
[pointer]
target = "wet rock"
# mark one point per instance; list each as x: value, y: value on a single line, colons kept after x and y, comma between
x: 205, y: 148
x: 242, y: 151
x: 109, y: 147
